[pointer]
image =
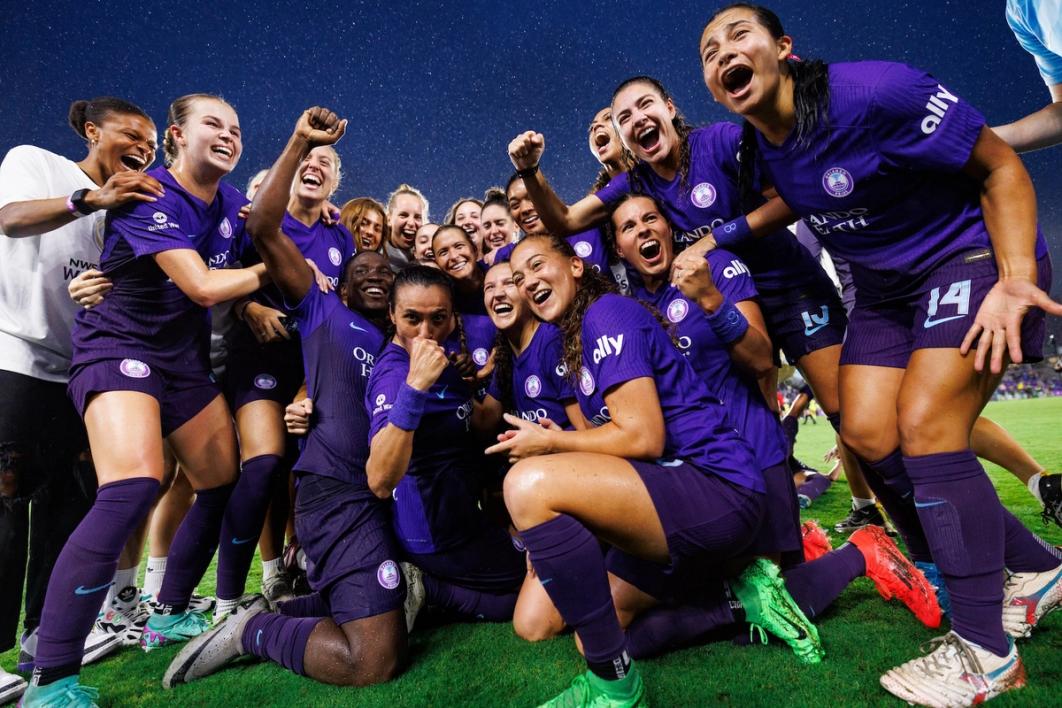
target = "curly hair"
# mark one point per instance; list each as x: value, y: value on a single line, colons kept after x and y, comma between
x: 353, y: 212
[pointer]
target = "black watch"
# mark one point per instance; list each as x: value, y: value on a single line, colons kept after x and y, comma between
x: 78, y: 200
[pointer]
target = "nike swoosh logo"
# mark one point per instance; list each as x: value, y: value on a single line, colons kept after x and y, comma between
x: 546, y: 581
x: 240, y: 542
x: 258, y: 638
x: 360, y: 329
x: 82, y: 590
x: 933, y: 323
x: 808, y: 331
x: 442, y: 394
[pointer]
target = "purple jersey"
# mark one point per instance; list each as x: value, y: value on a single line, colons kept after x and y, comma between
x: 588, y: 245
x: 539, y: 380
x: 146, y: 316
x: 339, y: 348
x: 711, y: 198
x: 436, y: 507
x: 622, y: 341
x: 880, y: 180
x: 710, y: 358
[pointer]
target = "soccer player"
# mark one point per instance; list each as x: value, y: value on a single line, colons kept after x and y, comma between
x: 948, y: 290
x: 498, y: 226
x: 467, y: 213
x: 422, y: 252
x: 366, y: 219
x: 407, y: 211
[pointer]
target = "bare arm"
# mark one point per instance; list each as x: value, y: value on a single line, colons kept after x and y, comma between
x: 1037, y: 130
x: 206, y: 287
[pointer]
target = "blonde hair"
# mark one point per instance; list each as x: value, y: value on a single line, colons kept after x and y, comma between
x: 407, y: 189
x: 451, y: 215
x: 178, y: 116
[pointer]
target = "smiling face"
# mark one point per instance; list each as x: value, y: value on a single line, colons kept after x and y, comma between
x: 407, y: 215
x: 210, y: 138
x: 742, y: 61
x: 454, y: 253
x: 507, y: 308
x: 122, y: 142
x: 604, y: 142
x: 546, y: 278
x: 422, y: 245
x: 422, y: 311
x: 643, y: 119
x: 370, y: 230
x: 468, y: 217
x: 643, y: 236
x: 317, y: 175
x: 523, y: 210
x: 498, y: 226
x: 367, y: 284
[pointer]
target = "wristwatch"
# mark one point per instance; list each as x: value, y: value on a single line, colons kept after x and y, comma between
x: 76, y: 203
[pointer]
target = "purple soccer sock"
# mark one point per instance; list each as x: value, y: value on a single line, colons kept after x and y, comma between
x: 568, y: 561
x: 963, y: 521
x: 312, y: 605
x: 667, y: 628
x: 192, y: 548
x: 85, y: 569
x: 470, y: 604
x: 815, y: 585
x: 814, y: 485
x: 279, y: 638
x: 1025, y: 552
x: 243, y: 522
x: 891, y: 484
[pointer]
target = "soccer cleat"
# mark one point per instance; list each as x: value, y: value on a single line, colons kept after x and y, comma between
x: 11, y: 686
x: 768, y: 606
x: 588, y: 690
x: 127, y: 626
x: 277, y: 590
x: 64, y: 693
x: 895, y: 576
x: 858, y: 518
x: 1051, y: 493
x: 98, y: 644
x: 955, y: 673
x: 804, y: 501
x: 415, y: 593
x: 936, y: 580
x: 202, y: 604
x: 162, y: 630
x: 1028, y: 597
x: 216, y: 647
x: 816, y: 542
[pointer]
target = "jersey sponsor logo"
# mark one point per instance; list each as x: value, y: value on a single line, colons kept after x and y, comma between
x: 533, y: 416
x: 606, y: 346
x: 532, y: 386
x: 703, y: 195
x: 958, y: 294
x: 380, y: 399
x: 159, y: 217
x: 813, y: 323
x: 480, y: 356
x: 677, y: 310
x: 225, y: 228
x: 937, y: 108
x: 265, y: 382
x: 838, y: 182
x: 218, y: 260
x: 827, y: 222
x: 334, y: 255
x: 583, y: 249
x: 735, y: 269
x: 388, y: 575
x: 134, y: 369
x: 162, y: 221
x: 603, y: 416
x: 586, y: 381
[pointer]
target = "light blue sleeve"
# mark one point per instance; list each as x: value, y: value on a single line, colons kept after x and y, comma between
x: 1037, y: 25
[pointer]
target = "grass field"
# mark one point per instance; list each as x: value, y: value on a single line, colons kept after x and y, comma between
x: 486, y: 665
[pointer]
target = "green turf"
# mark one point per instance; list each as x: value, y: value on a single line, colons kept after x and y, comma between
x: 486, y: 665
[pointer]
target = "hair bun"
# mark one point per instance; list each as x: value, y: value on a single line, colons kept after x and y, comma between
x: 76, y: 117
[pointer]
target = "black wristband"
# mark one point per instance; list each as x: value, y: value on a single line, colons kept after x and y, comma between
x: 77, y: 200
x: 527, y: 171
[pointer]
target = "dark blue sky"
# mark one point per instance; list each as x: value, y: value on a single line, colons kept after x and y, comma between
x: 434, y: 92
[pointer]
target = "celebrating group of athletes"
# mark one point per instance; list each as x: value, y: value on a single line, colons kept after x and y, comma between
x: 560, y: 416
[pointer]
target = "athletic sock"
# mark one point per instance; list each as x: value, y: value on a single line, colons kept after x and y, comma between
x: 243, y: 523
x: 814, y: 485
x: 468, y: 603
x: 85, y: 569
x: 815, y: 585
x: 192, y: 548
x: 312, y: 605
x: 270, y: 569
x: 1025, y: 552
x: 890, y: 482
x: 666, y: 628
x: 225, y: 607
x: 860, y: 503
x: 153, y: 575
x: 568, y: 561
x: 279, y: 638
x: 124, y: 595
x: 1034, y: 486
x: 964, y: 523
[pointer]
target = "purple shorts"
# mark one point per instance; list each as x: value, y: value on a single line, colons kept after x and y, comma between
x: 780, y: 530
x: 937, y: 315
x: 181, y: 394
x: 346, y: 532
x: 263, y: 372
x: 491, y: 561
x: 706, y: 519
x: 804, y: 319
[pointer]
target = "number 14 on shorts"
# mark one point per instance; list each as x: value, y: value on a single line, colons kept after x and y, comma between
x: 958, y: 294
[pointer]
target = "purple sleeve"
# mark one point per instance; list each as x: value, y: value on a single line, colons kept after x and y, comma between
x: 348, y: 249
x: 616, y: 342
x: 557, y: 374
x: 314, y: 309
x: 614, y: 190
x: 919, y: 124
x: 380, y: 396
x: 493, y: 388
x: 153, y: 227
x: 731, y: 276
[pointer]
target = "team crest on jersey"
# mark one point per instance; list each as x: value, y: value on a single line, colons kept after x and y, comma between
x: 677, y: 310
x: 583, y: 249
x: 586, y: 381
x: 159, y: 217
x: 480, y: 355
x: 265, y: 382
x: 134, y: 368
x: 388, y: 575
x: 703, y: 195
x: 838, y: 182
x: 532, y: 386
x: 225, y: 228
x: 334, y: 255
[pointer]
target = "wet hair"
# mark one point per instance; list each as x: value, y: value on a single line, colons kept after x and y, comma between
x: 425, y: 277
x: 682, y: 127
x: 627, y: 161
x: 451, y: 214
x: 406, y: 189
x: 353, y: 212
x: 451, y: 227
x: 509, y: 184
x: 503, y: 360
x: 178, y: 115
x: 99, y: 109
x: 811, y: 101
x: 338, y: 166
x: 609, y: 229
x: 495, y: 195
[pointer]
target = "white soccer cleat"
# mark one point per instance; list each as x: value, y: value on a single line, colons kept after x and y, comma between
x: 1028, y: 597
x: 415, y: 593
x: 216, y: 647
x: 955, y: 673
x: 127, y: 626
x: 98, y: 644
x: 11, y: 686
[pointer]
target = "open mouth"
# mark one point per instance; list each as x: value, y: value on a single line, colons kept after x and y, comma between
x: 601, y: 141
x: 374, y: 291
x: 223, y: 150
x: 650, y: 250
x: 458, y: 265
x: 529, y: 221
x: 540, y: 296
x: 311, y: 180
x: 502, y: 308
x: 133, y: 162
x: 648, y: 138
x: 736, y: 78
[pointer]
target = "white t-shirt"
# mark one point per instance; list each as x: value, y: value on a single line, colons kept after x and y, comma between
x: 36, y: 313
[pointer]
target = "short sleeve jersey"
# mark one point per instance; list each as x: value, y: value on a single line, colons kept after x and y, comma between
x: 588, y: 245
x: 539, y: 380
x: 622, y: 341
x: 1037, y: 24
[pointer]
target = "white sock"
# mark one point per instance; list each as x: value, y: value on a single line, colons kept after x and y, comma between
x: 126, y: 593
x: 225, y: 607
x: 270, y: 569
x: 156, y: 570
x: 1034, y: 486
x: 858, y: 503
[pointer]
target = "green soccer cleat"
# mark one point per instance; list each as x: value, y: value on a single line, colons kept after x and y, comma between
x: 64, y: 693
x: 768, y: 606
x: 162, y: 630
x: 588, y: 690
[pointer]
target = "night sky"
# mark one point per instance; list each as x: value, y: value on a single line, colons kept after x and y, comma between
x: 434, y: 92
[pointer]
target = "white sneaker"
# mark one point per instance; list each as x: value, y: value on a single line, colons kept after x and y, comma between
x: 128, y: 626
x: 955, y: 673
x: 11, y: 686
x: 1028, y: 597
x: 98, y: 644
x: 415, y: 593
x: 217, y: 646
x: 277, y: 590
